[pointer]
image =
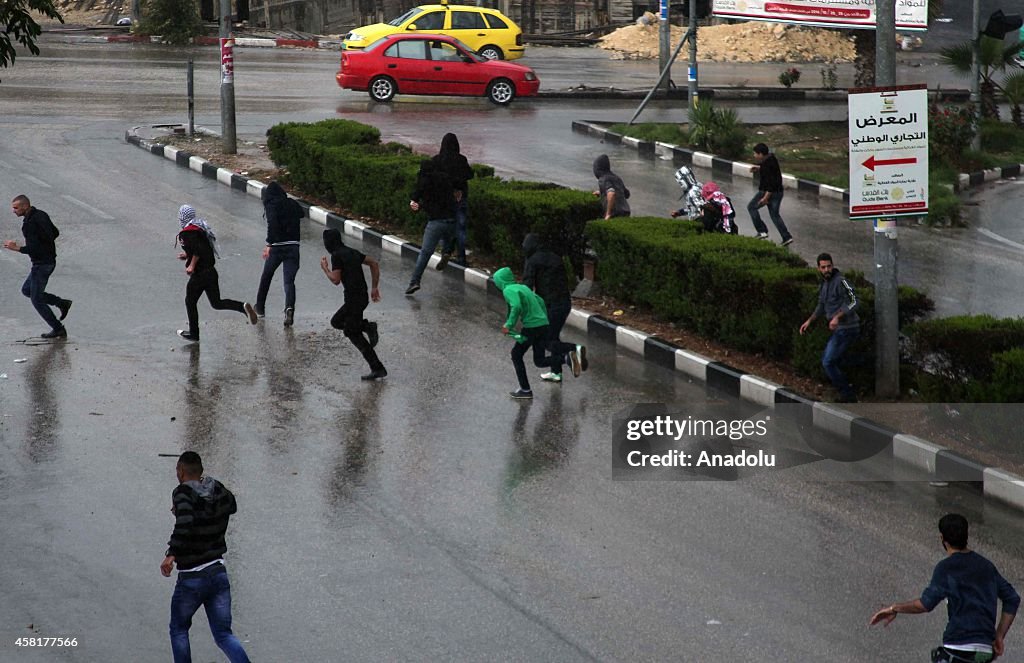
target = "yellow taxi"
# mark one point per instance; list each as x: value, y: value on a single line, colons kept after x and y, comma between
x: 486, y: 31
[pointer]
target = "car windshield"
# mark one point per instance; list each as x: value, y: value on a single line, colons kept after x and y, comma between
x: 405, y: 17
x: 470, y: 51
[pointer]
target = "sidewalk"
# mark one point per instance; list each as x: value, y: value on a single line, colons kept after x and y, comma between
x: 986, y: 471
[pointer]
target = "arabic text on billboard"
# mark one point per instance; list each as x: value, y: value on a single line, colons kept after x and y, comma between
x: 910, y: 14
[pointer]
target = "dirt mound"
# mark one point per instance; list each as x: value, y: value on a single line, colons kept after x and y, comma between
x: 743, y: 42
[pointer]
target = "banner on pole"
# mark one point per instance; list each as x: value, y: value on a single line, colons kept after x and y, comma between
x: 227, y: 60
x: 910, y: 14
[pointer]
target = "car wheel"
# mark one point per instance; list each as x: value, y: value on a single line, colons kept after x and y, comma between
x: 491, y: 53
x: 382, y: 89
x: 501, y: 91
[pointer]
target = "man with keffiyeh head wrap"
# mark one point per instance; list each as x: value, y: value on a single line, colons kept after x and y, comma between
x: 199, y: 244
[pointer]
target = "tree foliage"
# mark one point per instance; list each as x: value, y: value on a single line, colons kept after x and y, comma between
x: 177, y: 21
x: 20, y: 27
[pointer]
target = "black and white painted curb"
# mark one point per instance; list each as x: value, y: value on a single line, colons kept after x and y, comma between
x: 685, y: 156
x: 970, y: 180
x: 940, y: 463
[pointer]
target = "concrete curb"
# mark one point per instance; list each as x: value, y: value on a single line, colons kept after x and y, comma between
x: 970, y: 180
x: 686, y: 156
x: 939, y: 463
x: 252, y: 42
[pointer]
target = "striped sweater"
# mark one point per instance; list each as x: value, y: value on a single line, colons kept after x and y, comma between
x: 201, y: 512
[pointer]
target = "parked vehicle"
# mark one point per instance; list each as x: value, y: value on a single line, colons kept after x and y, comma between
x: 432, y: 64
x: 487, y: 31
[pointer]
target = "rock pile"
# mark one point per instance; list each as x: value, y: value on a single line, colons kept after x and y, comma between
x: 751, y: 41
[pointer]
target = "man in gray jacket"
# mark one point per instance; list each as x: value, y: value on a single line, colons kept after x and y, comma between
x: 838, y: 302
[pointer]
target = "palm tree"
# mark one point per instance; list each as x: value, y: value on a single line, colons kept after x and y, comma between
x: 994, y: 57
x: 1013, y: 88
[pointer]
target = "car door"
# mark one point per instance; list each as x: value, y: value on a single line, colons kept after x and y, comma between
x: 468, y: 27
x: 454, y: 71
x: 428, y: 21
x: 406, y: 62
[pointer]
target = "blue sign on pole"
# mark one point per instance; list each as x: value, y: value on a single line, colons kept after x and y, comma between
x: 664, y: 10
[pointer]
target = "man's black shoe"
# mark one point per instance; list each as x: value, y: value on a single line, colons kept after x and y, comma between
x: 413, y: 287
x: 64, y: 307
x: 378, y: 374
x: 56, y: 333
x: 371, y: 334
x: 289, y: 317
x: 187, y: 336
x: 443, y: 262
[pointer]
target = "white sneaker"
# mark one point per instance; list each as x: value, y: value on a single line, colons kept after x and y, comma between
x: 762, y: 235
x: 551, y: 377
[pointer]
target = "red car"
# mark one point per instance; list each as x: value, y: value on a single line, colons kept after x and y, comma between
x: 432, y: 64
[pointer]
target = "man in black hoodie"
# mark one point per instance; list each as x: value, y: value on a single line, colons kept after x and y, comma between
x: 283, y: 216
x: 610, y: 189
x: 544, y: 272
x: 202, y: 507
x: 435, y: 195
x: 452, y: 162
x: 40, y: 234
x: 345, y: 267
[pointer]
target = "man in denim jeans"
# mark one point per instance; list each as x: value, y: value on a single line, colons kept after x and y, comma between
x: 201, y: 507
x: 769, y: 193
x: 40, y: 234
x: 837, y: 301
x: 435, y: 195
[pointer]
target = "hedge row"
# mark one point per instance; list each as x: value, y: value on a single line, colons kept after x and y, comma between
x: 336, y: 159
x: 742, y: 292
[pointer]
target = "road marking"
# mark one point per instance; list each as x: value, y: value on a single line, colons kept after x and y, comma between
x: 999, y: 238
x: 87, y: 207
x: 36, y: 181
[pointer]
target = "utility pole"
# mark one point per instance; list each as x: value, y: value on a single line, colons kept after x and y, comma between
x: 227, y: 81
x: 976, y: 73
x: 691, y: 74
x: 887, y: 324
x: 664, y: 43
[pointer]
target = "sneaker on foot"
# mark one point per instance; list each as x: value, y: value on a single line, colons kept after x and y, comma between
x: 289, y: 317
x: 371, y: 334
x: 787, y: 242
x: 574, y: 362
x: 260, y: 313
x: 581, y: 350
x: 762, y: 235
x: 55, y: 333
x: 551, y: 377
x: 64, y: 307
x: 378, y: 374
x: 413, y: 287
x: 187, y: 336
x: 443, y: 262
x: 251, y: 312
x: 521, y: 394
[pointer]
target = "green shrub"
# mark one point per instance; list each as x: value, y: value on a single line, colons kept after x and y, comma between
x: 944, y: 206
x: 952, y: 353
x: 1001, y: 137
x: 176, y: 21
x: 1007, y: 383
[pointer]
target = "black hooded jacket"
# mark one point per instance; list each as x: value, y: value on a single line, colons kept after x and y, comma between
x: 607, y: 180
x: 544, y: 271
x: 434, y: 192
x: 283, y: 216
x: 451, y: 161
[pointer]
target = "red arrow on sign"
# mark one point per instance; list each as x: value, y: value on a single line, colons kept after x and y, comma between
x: 872, y: 162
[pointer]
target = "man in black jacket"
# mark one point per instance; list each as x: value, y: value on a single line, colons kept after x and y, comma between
x: 451, y: 161
x: 201, y: 507
x: 283, y: 216
x: 40, y: 234
x: 769, y: 193
x: 435, y: 195
x: 544, y: 272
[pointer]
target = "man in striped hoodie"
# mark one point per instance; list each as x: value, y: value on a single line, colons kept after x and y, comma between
x: 201, y: 507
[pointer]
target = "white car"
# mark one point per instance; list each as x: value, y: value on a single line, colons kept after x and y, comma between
x: 124, y: 20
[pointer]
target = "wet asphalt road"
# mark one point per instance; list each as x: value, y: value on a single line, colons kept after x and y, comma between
x: 425, y: 518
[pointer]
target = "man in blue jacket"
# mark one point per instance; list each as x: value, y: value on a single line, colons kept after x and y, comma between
x: 40, y: 234
x: 970, y: 585
x: 838, y: 302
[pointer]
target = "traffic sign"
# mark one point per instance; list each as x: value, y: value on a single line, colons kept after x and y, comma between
x: 888, y: 130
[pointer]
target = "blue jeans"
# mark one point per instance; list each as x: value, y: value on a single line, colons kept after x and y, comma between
x: 288, y: 256
x: 437, y: 230
x: 208, y: 588
x: 34, y: 288
x: 837, y: 345
x: 774, y: 203
x: 461, y: 231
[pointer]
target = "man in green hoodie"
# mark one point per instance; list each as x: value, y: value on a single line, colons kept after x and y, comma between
x: 524, y: 304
